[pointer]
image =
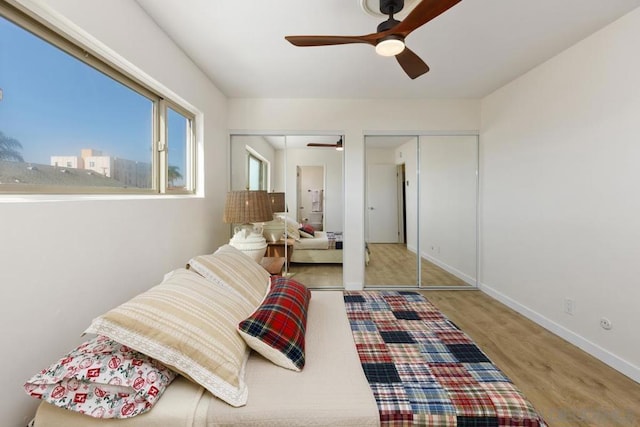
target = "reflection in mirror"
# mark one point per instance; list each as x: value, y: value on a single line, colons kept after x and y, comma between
x: 306, y: 188
x: 448, y: 186
x: 391, y: 211
x: 434, y: 216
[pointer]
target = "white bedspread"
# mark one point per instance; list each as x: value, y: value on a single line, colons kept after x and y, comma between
x: 331, y: 390
x: 319, y: 241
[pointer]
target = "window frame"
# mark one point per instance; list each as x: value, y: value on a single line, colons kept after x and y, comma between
x: 265, y: 169
x: 190, y: 149
x: 159, y: 131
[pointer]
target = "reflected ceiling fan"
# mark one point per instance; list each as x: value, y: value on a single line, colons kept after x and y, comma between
x: 390, y: 35
x: 337, y: 145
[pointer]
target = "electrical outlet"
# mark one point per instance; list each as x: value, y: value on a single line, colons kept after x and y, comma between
x: 569, y: 306
x: 606, y: 324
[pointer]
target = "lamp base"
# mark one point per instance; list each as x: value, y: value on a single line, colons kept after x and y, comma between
x: 249, y: 240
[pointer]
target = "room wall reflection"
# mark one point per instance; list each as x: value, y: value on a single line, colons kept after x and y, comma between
x: 307, y: 171
x: 421, y: 199
x: 391, y: 211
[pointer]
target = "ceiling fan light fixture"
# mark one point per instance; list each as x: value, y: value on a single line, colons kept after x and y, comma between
x: 390, y: 46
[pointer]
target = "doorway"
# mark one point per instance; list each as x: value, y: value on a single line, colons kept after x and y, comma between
x: 310, y: 189
x: 382, y: 203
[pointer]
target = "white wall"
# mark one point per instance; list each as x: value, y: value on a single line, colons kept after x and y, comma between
x: 64, y: 262
x: 353, y: 118
x: 559, y: 189
x: 448, y: 186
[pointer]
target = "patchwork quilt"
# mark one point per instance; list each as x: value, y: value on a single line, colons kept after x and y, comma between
x: 335, y: 239
x: 423, y: 370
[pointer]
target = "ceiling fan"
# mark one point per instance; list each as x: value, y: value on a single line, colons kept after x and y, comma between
x: 390, y: 35
x: 337, y: 145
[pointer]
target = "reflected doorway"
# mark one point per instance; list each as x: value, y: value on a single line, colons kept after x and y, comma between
x: 391, y: 215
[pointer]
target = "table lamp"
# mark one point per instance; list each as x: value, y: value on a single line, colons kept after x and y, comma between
x: 245, y: 208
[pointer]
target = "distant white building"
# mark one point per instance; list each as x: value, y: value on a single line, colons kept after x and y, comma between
x: 129, y: 172
x: 74, y: 162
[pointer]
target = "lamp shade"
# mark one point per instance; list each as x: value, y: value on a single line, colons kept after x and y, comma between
x: 277, y: 202
x: 243, y: 207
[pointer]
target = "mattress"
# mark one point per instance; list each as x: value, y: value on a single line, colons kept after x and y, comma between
x: 319, y: 241
x: 331, y: 390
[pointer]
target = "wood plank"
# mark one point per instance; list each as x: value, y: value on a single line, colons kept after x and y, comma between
x: 273, y: 265
x: 565, y: 384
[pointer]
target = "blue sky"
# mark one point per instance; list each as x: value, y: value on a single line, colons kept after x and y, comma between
x: 54, y: 104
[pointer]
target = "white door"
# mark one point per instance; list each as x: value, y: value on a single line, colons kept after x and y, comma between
x: 382, y: 204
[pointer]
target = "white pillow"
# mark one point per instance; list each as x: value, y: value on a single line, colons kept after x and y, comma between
x: 292, y: 226
x: 232, y: 269
x: 189, y: 325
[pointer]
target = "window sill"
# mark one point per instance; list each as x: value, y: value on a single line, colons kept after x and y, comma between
x: 42, y: 198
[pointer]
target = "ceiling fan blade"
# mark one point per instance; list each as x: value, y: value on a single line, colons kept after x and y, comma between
x: 328, y: 40
x: 424, y: 12
x: 411, y: 63
x: 314, y: 144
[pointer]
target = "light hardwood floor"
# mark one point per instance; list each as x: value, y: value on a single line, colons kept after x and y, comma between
x: 391, y: 264
x: 566, y: 385
x: 317, y: 276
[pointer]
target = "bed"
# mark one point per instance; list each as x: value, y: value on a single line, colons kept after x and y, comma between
x: 323, y: 248
x: 409, y: 366
x: 330, y: 390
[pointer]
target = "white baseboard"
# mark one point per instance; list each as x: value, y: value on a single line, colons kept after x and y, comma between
x: 459, y: 274
x: 595, y: 350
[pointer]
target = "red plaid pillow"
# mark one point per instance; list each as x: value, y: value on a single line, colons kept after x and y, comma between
x: 276, y: 329
x: 308, y: 229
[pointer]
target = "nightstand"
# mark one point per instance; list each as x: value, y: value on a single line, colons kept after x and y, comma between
x: 276, y: 249
x: 274, y: 265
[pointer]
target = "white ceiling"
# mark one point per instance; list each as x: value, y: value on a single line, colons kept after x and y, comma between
x: 474, y: 48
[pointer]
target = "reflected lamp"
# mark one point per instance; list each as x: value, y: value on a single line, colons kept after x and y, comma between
x: 274, y: 230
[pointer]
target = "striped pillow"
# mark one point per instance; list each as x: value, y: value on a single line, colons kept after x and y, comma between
x: 292, y: 226
x: 276, y: 329
x: 190, y: 326
x: 230, y: 268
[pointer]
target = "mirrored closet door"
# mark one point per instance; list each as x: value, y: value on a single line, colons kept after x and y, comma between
x: 304, y: 173
x: 391, y: 220
x: 426, y: 233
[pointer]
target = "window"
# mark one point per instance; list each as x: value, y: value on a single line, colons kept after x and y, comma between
x: 257, y: 173
x: 63, y: 106
x: 179, y: 143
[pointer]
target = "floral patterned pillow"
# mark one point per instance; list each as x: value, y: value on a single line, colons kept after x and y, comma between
x: 103, y: 379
